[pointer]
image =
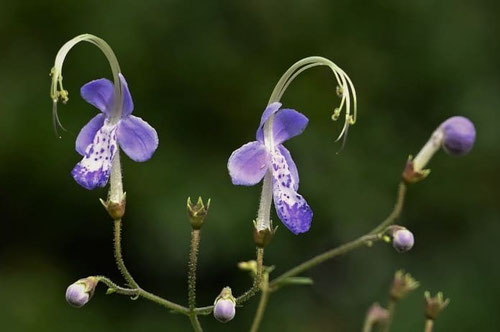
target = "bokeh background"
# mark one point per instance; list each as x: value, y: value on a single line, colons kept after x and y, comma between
x: 201, y: 73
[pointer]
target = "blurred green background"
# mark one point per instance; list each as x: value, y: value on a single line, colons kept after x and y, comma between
x: 201, y: 73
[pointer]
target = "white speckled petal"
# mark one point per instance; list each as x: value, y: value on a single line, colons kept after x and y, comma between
x: 291, y: 207
x: 95, y: 168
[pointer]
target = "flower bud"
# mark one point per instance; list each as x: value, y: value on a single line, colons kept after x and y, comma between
x: 197, y: 212
x: 434, y: 305
x: 402, y: 239
x: 459, y: 135
x: 225, y: 306
x: 80, y: 292
x: 456, y: 136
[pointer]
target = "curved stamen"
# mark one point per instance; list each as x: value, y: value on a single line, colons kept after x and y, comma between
x: 57, y: 91
x: 343, y: 80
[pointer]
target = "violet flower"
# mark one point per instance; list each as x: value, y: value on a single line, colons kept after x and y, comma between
x: 99, y: 140
x: 249, y: 164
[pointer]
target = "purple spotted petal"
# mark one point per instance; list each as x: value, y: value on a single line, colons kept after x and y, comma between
x: 99, y: 93
x: 248, y: 165
x: 137, y: 138
x: 287, y: 124
x: 128, y: 104
x: 291, y: 207
x: 270, y: 110
x: 87, y: 134
x: 94, y: 169
x: 291, y: 166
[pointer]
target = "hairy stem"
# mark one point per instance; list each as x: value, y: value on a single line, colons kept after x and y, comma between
x: 117, y: 289
x: 264, y: 297
x: 391, y: 307
x: 119, y: 257
x: 195, y: 323
x: 429, y: 325
x: 256, y: 281
x: 193, y: 260
x: 396, y: 211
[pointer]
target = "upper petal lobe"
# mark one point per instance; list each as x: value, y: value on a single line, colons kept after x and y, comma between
x: 99, y: 93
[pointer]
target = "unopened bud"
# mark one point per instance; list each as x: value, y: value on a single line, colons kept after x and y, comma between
x: 80, y: 292
x: 402, y: 284
x: 197, y: 212
x: 225, y: 306
x: 459, y: 135
x: 434, y: 305
x: 456, y: 136
x: 402, y: 239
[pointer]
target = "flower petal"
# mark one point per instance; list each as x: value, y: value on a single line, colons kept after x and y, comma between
x: 287, y: 124
x: 248, y: 165
x: 291, y: 207
x: 270, y: 110
x: 128, y: 103
x: 94, y: 169
x: 87, y: 134
x: 291, y: 166
x: 99, y: 93
x: 137, y: 138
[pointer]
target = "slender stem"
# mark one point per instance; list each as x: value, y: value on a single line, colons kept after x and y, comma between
x: 264, y: 297
x: 119, y: 257
x: 193, y: 260
x: 195, y: 323
x: 391, y: 307
x: 117, y: 289
x: 163, y: 302
x: 396, y: 211
x: 345, y: 248
x: 256, y: 281
x: 429, y: 325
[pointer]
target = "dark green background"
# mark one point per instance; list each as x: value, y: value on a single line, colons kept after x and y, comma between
x: 201, y: 73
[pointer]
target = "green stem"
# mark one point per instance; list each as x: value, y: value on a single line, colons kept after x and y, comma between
x: 264, y: 297
x: 193, y: 260
x: 163, y: 302
x: 117, y: 289
x: 391, y: 308
x: 119, y: 257
x: 256, y: 281
x: 195, y: 323
x: 396, y: 211
x: 429, y: 325
x: 345, y: 248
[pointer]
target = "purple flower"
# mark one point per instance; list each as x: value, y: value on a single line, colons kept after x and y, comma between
x: 99, y: 140
x: 459, y: 135
x: 249, y: 164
